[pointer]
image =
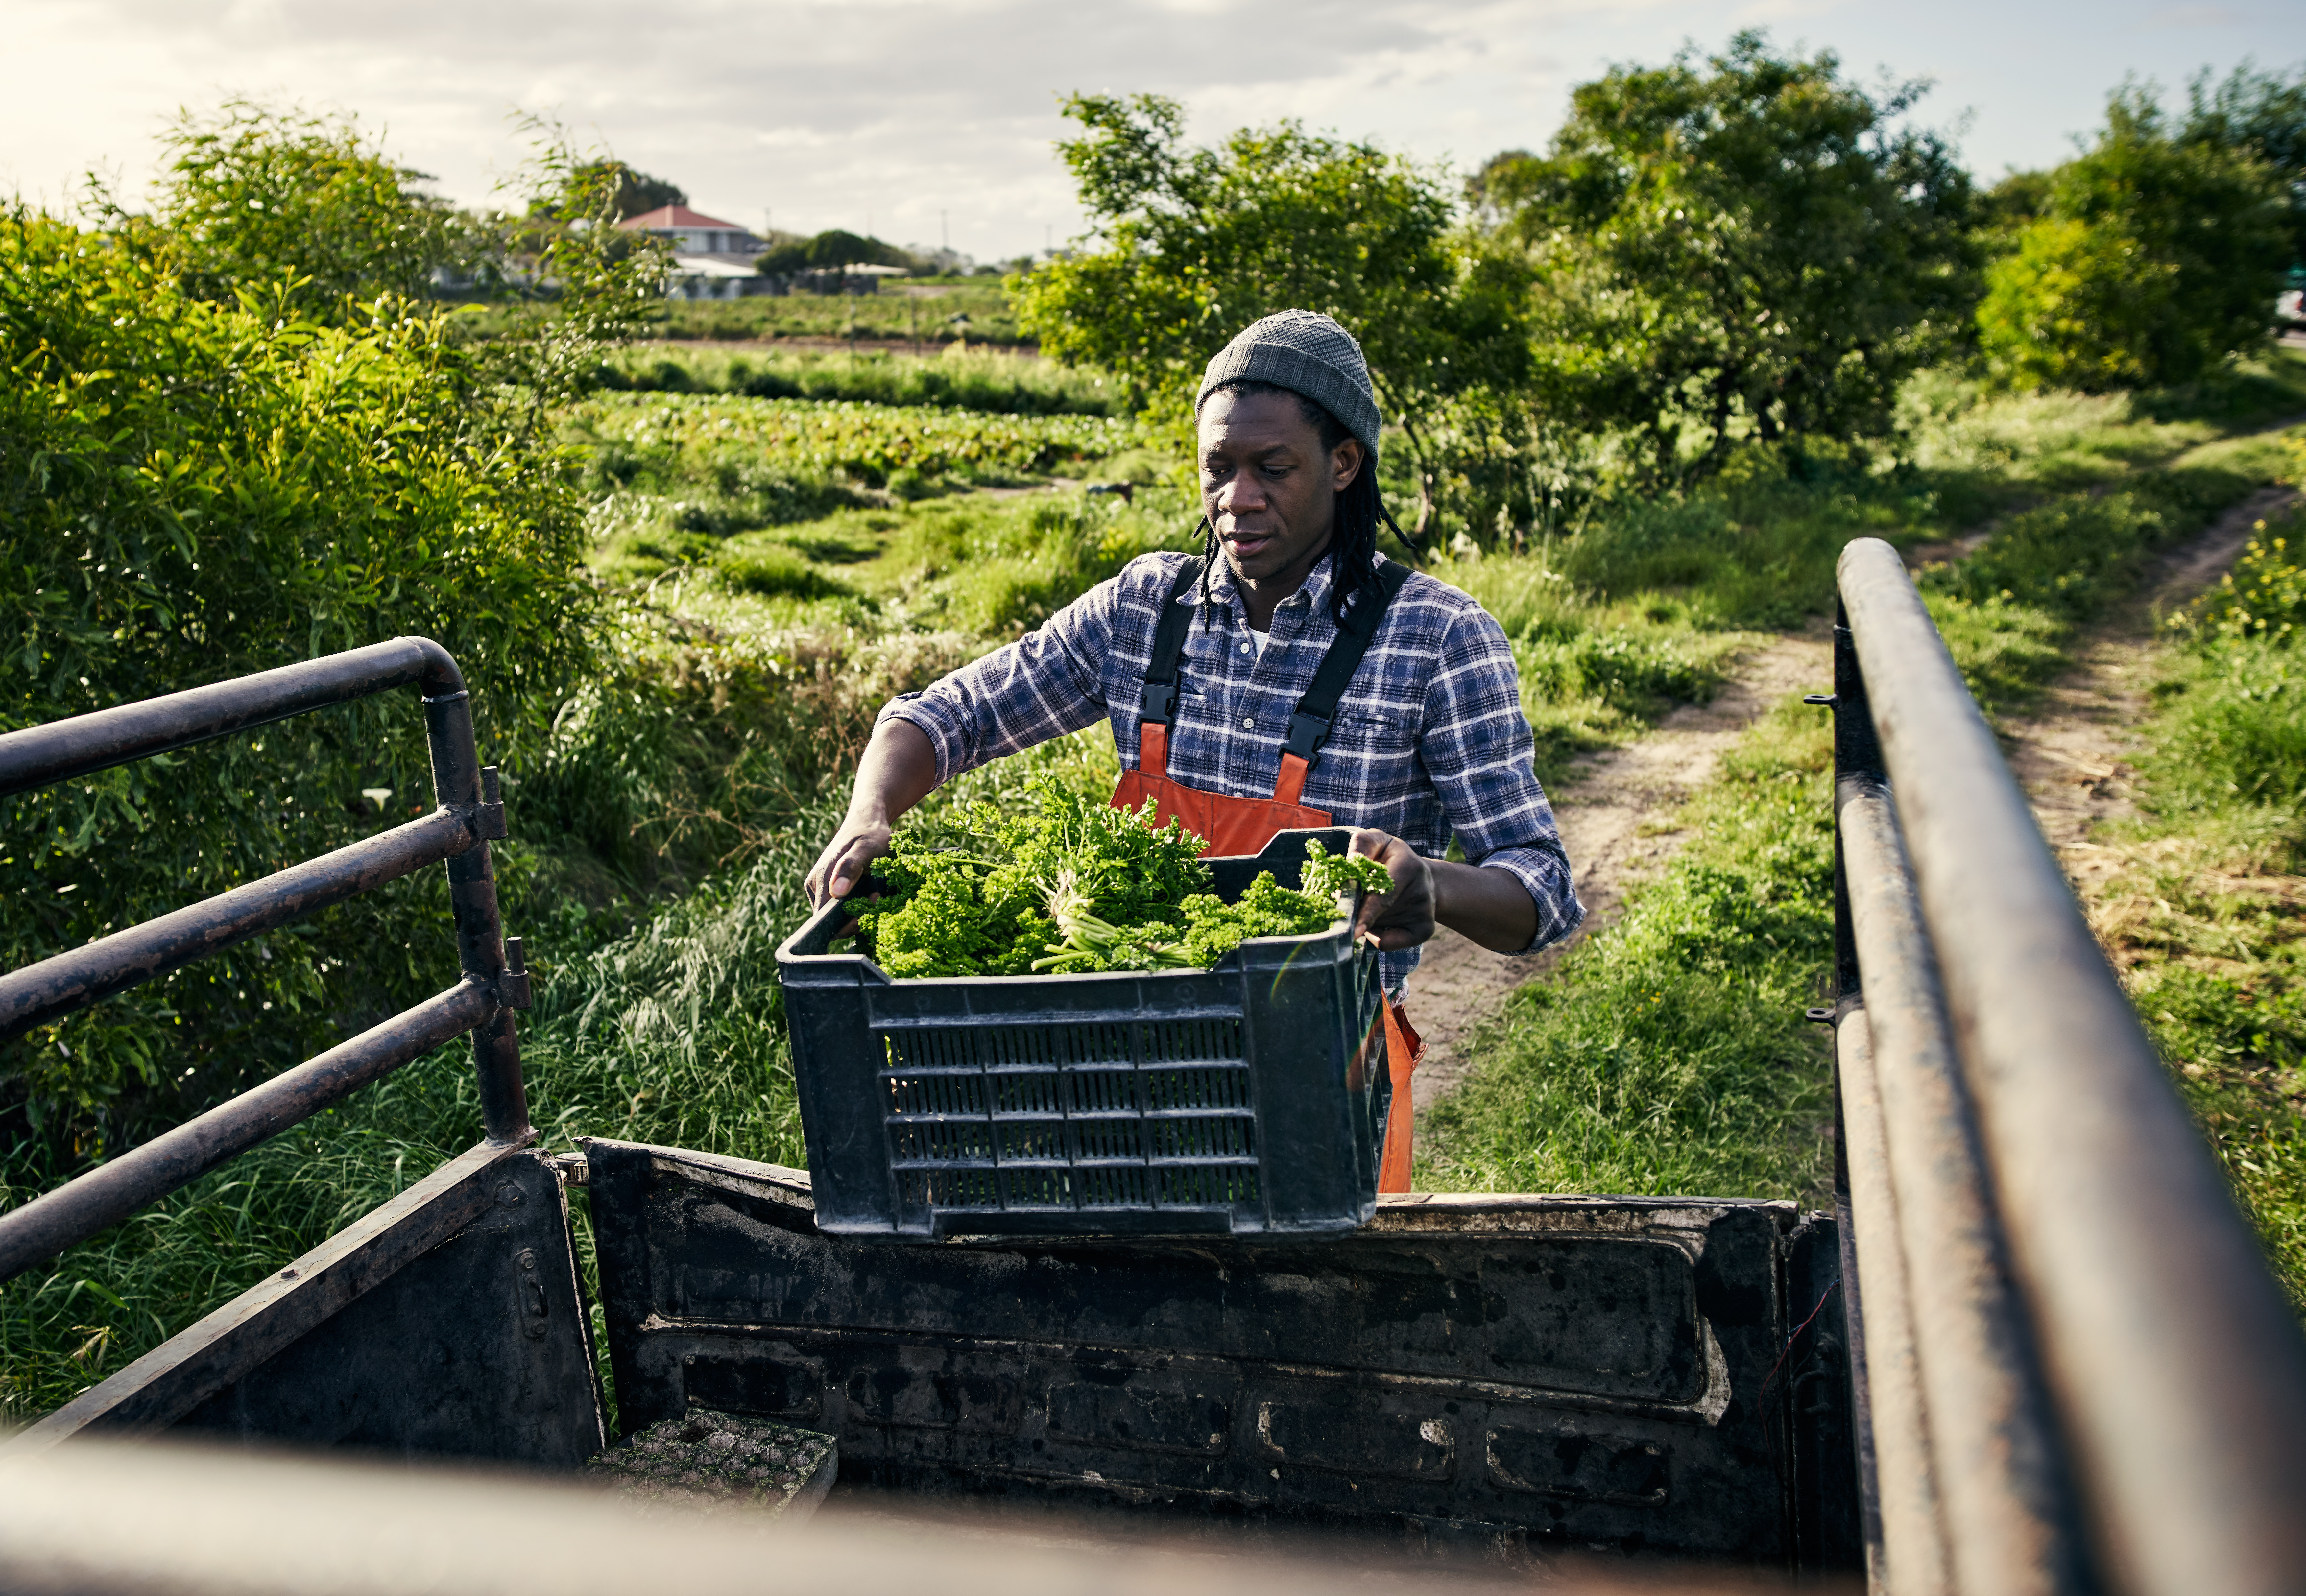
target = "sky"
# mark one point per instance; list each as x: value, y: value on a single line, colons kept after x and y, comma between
x: 934, y: 122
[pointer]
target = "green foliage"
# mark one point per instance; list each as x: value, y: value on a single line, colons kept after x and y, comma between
x: 638, y: 194
x: 1751, y: 246
x: 2152, y: 256
x: 2262, y: 114
x: 920, y: 317
x: 193, y: 490
x: 1669, y: 1053
x: 285, y: 202
x: 829, y: 252
x: 943, y: 912
x: 1073, y: 884
x: 1196, y: 243
x: 959, y: 379
x: 645, y: 440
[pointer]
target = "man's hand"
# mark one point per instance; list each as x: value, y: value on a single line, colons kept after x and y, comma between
x: 1488, y: 906
x: 845, y: 860
x: 1405, y: 917
x: 898, y: 771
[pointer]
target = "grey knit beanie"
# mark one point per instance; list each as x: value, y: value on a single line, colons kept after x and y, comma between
x: 1308, y: 354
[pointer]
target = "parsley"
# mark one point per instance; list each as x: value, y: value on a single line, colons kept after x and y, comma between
x: 1076, y: 885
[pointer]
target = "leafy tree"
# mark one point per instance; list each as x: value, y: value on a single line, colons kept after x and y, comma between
x: 254, y: 194
x: 2262, y: 114
x: 1747, y: 245
x: 1196, y: 243
x: 2155, y: 254
x: 832, y: 250
x: 638, y: 194
x: 206, y: 469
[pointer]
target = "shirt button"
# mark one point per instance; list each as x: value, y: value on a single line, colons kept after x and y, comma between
x: 1248, y: 721
x: 1245, y: 648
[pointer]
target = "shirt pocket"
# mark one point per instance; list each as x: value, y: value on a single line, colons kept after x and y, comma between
x: 1373, y: 732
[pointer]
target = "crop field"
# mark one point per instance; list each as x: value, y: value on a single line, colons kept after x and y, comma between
x: 921, y: 314
x: 984, y: 378
x: 872, y: 445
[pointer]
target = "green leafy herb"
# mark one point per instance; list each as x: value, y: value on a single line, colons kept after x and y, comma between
x: 1077, y: 886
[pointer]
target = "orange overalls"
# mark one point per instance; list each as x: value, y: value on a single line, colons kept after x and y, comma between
x: 1239, y: 825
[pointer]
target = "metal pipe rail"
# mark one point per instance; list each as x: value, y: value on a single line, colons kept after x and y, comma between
x: 2083, y: 1375
x: 494, y: 980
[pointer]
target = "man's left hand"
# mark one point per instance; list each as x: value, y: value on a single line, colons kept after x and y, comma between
x: 1405, y: 917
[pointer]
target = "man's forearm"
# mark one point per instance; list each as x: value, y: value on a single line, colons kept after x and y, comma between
x: 1490, y: 907
x: 898, y: 771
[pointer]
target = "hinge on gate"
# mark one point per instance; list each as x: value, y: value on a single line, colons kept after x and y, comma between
x: 489, y: 816
x: 512, y: 981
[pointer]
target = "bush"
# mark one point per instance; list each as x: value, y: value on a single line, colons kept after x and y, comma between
x: 2157, y: 258
x: 191, y: 492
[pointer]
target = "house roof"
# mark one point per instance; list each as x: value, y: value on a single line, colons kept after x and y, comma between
x: 665, y: 217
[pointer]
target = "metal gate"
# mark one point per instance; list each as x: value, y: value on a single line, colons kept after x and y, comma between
x: 449, y: 1321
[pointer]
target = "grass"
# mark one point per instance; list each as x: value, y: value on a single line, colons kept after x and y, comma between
x: 2200, y: 902
x: 1667, y: 1055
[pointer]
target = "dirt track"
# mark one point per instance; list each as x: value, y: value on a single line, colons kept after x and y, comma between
x: 1606, y: 816
x: 2070, y: 755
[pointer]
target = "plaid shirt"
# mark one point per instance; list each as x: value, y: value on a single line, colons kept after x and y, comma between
x: 1429, y: 739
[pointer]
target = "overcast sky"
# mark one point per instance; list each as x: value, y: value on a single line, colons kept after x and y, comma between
x: 903, y: 118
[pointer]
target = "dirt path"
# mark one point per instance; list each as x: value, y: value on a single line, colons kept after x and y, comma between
x: 2072, y: 754
x: 1605, y: 815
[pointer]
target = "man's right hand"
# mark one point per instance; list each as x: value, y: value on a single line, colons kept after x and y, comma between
x: 841, y: 867
x: 898, y: 771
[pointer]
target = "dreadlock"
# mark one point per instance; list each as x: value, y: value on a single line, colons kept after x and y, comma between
x: 1353, y: 534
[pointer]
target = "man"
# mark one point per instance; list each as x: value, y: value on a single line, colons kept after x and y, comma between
x: 1225, y: 715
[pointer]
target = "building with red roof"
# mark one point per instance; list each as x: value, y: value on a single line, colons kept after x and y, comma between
x: 692, y: 231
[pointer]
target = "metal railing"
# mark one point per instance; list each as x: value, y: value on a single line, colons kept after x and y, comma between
x: 2077, y: 1370
x: 494, y: 982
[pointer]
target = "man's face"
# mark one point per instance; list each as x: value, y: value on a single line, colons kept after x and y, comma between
x: 1268, y: 485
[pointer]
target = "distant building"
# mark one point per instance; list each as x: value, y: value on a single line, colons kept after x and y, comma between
x: 710, y: 259
x: 693, y: 233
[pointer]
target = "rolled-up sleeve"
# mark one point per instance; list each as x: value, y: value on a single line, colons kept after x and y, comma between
x: 1046, y: 684
x: 1476, y: 748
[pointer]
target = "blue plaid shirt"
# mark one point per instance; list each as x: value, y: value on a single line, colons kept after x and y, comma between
x: 1429, y: 739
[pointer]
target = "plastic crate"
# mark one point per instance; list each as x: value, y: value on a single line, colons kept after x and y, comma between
x: 1246, y: 1098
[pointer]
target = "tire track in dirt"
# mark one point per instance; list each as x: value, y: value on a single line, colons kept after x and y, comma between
x: 2072, y: 755
x: 1605, y: 812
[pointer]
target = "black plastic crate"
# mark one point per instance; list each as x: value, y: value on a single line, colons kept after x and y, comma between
x: 1248, y: 1097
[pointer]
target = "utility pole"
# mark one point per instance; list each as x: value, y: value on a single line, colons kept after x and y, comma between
x: 944, y: 233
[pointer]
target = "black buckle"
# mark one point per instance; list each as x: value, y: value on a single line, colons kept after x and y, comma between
x: 1160, y: 699
x: 1307, y: 733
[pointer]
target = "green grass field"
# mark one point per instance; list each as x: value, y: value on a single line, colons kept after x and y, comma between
x: 779, y: 567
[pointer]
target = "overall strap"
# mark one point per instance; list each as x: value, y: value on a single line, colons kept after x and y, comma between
x: 1309, y: 726
x: 1160, y: 699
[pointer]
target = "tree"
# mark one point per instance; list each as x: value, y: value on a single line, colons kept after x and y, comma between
x: 1196, y: 243
x: 2156, y: 254
x: 831, y: 250
x: 252, y: 196
x: 2262, y: 114
x: 638, y: 194
x: 208, y: 468
x: 1745, y: 246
